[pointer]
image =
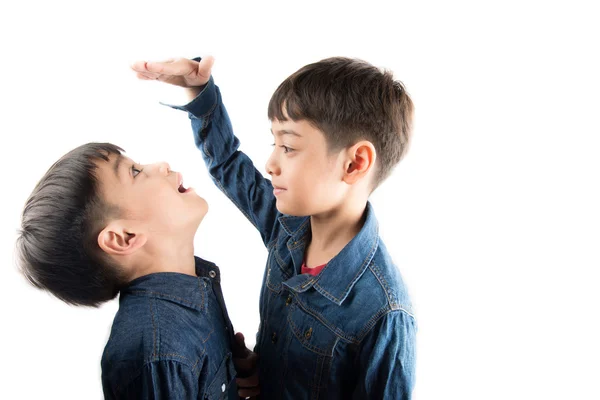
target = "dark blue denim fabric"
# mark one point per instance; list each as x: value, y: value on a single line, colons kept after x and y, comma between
x: 171, y: 339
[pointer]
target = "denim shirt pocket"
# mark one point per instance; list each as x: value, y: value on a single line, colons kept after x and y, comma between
x: 220, y: 387
x: 310, y: 350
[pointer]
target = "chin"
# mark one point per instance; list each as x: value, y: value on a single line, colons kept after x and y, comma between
x: 195, y: 222
x: 194, y: 212
x: 202, y: 209
x: 291, y: 211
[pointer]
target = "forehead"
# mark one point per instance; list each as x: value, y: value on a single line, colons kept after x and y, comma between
x: 300, y: 129
x: 110, y: 173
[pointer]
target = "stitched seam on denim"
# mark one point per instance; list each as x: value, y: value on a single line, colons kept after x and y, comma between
x: 353, y: 281
x: 201, y: 288
x: 269, y: 296
x: 291, y: 231
x: 386, y: 314
x: 308, y: 283
x: 394, y: 305
x: 223, y: 368
x: 325, y: 368
x: 137, y: 374
x: 158, y: 330
x: 302, y: 240
x: 208, y: 336
x: 167, y: 296
x: 335, y: 344
x: 384, y: 284
x: 170, y: 356
x: 298, y: 243
x: 337, y: 331
x: 286, y: 350
x: 281, y: 264
x: 300, y: 334
x: 315, y: 382
x: 286, y: 226
x: 273, y: 288
x: 371, y: 323
x: 203, y: 371
x: 197, y: 361
x: 317, y: 378
x: 408, y: 312
x: 154, y: 333
x: 197, y: 99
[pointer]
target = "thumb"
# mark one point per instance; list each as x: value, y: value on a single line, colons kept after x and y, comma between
x: 239, y: 347
x: 204, y: 69
x: 240, y: 340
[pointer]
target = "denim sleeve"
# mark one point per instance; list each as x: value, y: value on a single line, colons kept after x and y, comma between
x: 386, y: 359
x: 231, y: 170
x: 162, y: 380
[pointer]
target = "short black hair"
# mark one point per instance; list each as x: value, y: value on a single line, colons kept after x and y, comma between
x: 349, y: 100
x: 57, y: 246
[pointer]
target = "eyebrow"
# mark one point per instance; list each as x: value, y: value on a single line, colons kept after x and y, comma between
x: 286, y: 132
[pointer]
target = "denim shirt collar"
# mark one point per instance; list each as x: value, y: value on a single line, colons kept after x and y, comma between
x: 173, y: 286
x: 341, y: 273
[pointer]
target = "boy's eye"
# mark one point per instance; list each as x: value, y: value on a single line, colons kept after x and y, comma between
x: 135, y: 171
x: 285, y: 148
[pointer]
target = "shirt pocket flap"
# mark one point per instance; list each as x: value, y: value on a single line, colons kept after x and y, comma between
x: 310, y: 332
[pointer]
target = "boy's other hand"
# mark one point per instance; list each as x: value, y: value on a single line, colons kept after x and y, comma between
x: 245, y: 362
x: 178, y: 71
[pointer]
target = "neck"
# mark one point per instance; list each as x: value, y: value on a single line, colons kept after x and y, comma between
x: 332, y: 231
x: 165, y: 255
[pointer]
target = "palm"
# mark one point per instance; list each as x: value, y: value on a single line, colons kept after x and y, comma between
x: 180, y: 72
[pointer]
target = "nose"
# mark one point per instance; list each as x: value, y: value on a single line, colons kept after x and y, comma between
x: 163, y: 168
x: 272, y: 166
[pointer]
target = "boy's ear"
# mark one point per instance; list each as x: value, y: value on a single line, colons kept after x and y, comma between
x: 359, y: 162
x: 120, y: 239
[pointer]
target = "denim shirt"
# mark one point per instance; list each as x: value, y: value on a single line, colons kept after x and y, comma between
x: 348, y: 332
x: 171, y: 339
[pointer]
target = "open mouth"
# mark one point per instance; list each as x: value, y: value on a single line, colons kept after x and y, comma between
x: 181, y: 188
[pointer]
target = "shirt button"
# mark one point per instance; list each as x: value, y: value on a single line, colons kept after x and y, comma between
x: 289, y: 300
x: 212, y: 274
x: 308, y: 333
x: 274, y: 337
x: 223, y: 387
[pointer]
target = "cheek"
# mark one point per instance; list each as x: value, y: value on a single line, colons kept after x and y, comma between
x: 155, y: 203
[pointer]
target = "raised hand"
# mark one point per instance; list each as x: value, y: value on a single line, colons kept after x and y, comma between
x: 178, y: 71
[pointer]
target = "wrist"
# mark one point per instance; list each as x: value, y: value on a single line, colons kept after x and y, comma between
x: 193, y: 92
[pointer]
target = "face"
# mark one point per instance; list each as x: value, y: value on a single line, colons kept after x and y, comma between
x: 307, y: 179
x: 151, y: 195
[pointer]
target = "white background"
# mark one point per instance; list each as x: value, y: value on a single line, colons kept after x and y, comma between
x: 493, y: 216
